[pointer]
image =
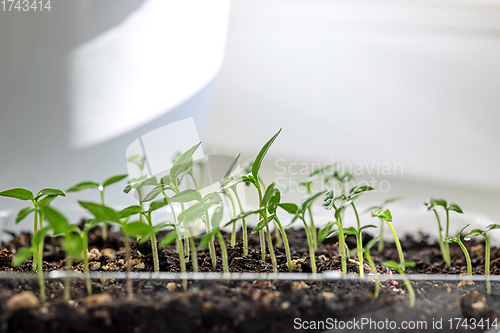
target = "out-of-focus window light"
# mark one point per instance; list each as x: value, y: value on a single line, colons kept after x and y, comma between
x: 158, y: 57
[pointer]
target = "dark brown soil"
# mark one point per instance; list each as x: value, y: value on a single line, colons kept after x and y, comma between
x: 250, y: 306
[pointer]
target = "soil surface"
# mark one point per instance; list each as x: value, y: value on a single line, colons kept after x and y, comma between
x: 251, y: 306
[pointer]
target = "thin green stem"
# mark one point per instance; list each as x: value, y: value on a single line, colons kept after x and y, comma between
x: 268, y: 234
x: 67, y: 281
x: 467, y: 256
x: 41, y: 281
x: 233, y: 235
x: 487, y: 263
x: 182, y: 262
x: 398, y: 244
x: 342, y: 247
x: 359, y: 239
x: 211, y: 244
x: 243, y: 223
x: 225, y: 265
x: 35, y: 249
x: 311, y: 249
x: 154, y: 246
x: 86, y: 262
x: 287, y: 245
x: 262, y: 244
x: 375, y: 273
x: 186, y: 240
x: 314, y: 232
x: 194, y: 254
x: 129, y: 268
x: 103, y: 225
x: 444, y: 252
x: 409, y: 287
x: 380, y: 247
x: 447, y: 245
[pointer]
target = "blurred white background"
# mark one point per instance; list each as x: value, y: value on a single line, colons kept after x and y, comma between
x: 409, y: 82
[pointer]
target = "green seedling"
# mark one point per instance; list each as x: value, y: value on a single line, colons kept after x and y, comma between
x: 329, y: 203
x: 307, y: 183
x: 366, y: 252
x: 216, y: 219
x: 342, y: 233
x: 299, y: 213
x: 380, y: 247
x: 42, y: 199
x: 431, y: 205
x: 457, y: 240
x: 387, y: 217
x: 400, y: 269
x: 100, y: 187
x: 71, y: 244
x: 25, y: 253
x: 484, y: 233
x: 255, y: 180
x: 342, y: 179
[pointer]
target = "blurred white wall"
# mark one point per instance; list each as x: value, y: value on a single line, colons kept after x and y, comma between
x: 401, y: 82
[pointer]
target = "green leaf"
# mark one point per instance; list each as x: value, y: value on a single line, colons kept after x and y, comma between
x: 46, y: 200
x: 91, y: 224
x: 474, y: 233
x: 129, y: 211
x: 308, y: 201
x: 450, y: 240
x: 50, y: 191
x: 354, y: 251
x: 153, y: 194
x: 23, y: 213
x: 72, y: 245
x: 383, y: 215
x: 268, y: 193
x: 454, y: 207
x: 392, y: 264
x: 155, y: 205
x: 328, y: 201
x: 206, y: 239
x: 181, y: 165
x: 196, y: 210
x: 22, y: 255
x: 168, y: 239
x: 244, y: 214
x: 492, y: 226
x: 289, y: 207
x: 186, y: 196
x: 460, y: 232
x: 18, y: 193
x: 438, y: 202
x: 127, y: 189
x: 112, y: 180
x: 101, y: 213
x: 40, y: 235
x: 325, y: 231
x: 56, y: 220
x: 230, y: 169
x: 409, y: 264
x: 138, y: 160
x: 367, y: 227
x: 217, y: 217
x: 340, y: 210
x: 356, y: 191
x: 82, y: 186
x: 372, y: 242
x: 262, y: 153
x: 350, y: 231
x: 137, y: 229
x: 259, y: 226
x: 274, y: 201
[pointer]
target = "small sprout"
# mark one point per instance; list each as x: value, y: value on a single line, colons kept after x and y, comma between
x: 431, y: 204
x: 484, y: 233
x: 100, y: 187
x: 380, y: 247
x: 457, y: 240
x: 42, y: 199
x: 366, y: 252
x: 400, y: 268
x: 216, y: 219
x: 387, y: 217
